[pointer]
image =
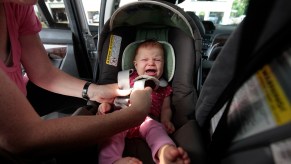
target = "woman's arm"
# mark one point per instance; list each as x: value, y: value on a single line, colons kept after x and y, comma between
x: 23, y: 131
x: 41, y: 72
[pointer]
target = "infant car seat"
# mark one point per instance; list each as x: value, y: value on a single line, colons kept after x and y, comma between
x: 162, y: 21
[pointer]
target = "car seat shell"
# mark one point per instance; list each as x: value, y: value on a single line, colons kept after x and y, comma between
x: 173, y: 25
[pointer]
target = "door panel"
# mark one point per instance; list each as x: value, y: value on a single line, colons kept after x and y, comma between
x: 60, y: 49
x: 63, y: 49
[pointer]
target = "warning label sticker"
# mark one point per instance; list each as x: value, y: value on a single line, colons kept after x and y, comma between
x: 113, y: 50
x: 275, y: 96
x: 263, y: 102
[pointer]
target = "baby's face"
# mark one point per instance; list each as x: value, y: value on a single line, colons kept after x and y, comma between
x: 149, y: 61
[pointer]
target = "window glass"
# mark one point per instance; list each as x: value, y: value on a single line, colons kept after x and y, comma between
x: 40, y: 17
x: 220, y: 12
x: 124, y: 2
x: 92, y: 11
x: 57, y: 11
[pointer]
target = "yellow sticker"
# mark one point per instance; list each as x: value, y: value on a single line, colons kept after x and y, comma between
x: 113, y: 50
x: 276, y: 98
x: 109, y: 53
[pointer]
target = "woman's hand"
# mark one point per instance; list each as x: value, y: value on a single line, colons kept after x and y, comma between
x: 105, y: 93
x: 141, y: 99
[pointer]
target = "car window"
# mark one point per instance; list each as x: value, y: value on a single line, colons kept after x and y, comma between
x: 40, y: 16
x: 92, y: 11
x: 124, y: 2
x: 54, y: 14
x: 57, y: 11
x: 219, y: 12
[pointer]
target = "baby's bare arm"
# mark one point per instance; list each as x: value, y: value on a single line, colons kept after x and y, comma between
x: 166, y: 115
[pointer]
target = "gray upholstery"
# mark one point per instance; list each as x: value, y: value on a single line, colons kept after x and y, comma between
x: 217, y: 81
x: 198, y: 22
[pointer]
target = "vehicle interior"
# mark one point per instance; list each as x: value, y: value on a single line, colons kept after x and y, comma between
x: 71, y: 36
x: 221, y: 48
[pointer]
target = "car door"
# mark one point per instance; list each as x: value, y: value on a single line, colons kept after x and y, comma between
x: 69, y: 36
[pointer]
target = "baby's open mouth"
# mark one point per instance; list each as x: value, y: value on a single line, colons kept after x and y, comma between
x: 151, y: 72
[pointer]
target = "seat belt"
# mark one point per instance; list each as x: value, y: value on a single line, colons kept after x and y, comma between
x: 140, y: 82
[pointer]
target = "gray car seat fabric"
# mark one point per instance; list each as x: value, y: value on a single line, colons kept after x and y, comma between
x: 197, y: 21
x: 170, y: 24
x: 248, y: 82
x: 217, y: 81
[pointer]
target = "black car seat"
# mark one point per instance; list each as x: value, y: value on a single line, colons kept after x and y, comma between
x: 202, y: 70
x: 165, y: 22
x: 244, y: 105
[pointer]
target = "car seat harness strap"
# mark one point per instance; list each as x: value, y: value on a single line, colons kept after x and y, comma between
x: 140, y: 82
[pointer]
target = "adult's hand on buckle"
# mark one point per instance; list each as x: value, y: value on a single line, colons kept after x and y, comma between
x: 121, y: 102
x: 143, y: 81
x: 140, y: 99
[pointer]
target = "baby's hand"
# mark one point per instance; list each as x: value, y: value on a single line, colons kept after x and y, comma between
x: 169, y: 126
x: 103, y: 108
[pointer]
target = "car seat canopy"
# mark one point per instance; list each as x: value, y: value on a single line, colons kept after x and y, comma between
x: 151, y: 13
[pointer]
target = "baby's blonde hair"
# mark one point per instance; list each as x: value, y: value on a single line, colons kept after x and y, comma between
x: 149, y: 43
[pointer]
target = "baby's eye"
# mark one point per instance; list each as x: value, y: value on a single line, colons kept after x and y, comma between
x: 144, y: 59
